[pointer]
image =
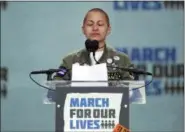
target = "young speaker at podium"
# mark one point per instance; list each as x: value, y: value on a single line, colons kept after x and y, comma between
x: 96, y: 27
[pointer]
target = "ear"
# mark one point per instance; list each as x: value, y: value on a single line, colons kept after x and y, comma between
x: 83, y: 31
x: 109, y: 30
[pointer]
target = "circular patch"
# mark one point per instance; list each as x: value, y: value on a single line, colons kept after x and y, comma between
x: 114, y: 68
x: 116, y: 58
x: 109, y: 60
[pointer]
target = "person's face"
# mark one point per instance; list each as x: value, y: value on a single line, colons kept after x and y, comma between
x: 96, y: 27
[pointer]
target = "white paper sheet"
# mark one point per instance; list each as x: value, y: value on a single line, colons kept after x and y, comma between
x: 86, y: 73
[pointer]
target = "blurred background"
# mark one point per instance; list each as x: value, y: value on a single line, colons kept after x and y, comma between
x: 37, y: 35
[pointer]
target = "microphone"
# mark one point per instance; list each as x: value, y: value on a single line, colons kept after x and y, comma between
x: 92, y: 46
x: 62, y: 71
x: 136, y: 71
x: 50, y: 71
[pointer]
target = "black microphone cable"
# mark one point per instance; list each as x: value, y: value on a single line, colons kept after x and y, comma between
x: 39, y: 84
x: 94, y: 52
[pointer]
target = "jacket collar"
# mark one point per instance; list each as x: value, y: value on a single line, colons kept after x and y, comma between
x: 85, y: 56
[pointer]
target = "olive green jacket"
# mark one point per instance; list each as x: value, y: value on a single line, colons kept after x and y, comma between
x: 110, y: 56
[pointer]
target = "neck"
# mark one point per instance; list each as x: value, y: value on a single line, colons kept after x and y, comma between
x: 101, y: 46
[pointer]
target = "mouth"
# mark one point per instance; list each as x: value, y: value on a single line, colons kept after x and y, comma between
x: 95, y: 34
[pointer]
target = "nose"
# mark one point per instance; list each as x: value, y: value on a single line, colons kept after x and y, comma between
x: 95, y: 27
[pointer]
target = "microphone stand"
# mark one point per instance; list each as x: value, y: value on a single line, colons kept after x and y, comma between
x: 97, y: 62
x: 49, y: 75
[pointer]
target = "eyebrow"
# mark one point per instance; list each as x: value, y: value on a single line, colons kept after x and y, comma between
x: 93, y: 21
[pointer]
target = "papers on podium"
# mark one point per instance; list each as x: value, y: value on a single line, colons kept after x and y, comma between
x: 93, y: 74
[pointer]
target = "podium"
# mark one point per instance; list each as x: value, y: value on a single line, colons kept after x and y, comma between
x: 90, y: 106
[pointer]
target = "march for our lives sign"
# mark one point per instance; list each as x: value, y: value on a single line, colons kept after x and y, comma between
x: 85, y: 112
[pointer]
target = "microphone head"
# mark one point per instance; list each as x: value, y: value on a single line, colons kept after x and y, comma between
x: 91, y: 45
x: 62, y: 71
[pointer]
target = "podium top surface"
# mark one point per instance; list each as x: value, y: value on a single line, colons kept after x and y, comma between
x: 120, y: 83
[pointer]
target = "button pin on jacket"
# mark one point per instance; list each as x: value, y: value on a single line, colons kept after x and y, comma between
x: 109, y: 60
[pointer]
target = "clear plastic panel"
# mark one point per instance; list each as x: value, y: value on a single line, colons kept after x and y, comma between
x: 136, y: 89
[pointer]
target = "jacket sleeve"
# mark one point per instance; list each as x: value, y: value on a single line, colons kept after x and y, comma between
x: 67, y: 75
x: 127, y: 64
x: 67, y: 64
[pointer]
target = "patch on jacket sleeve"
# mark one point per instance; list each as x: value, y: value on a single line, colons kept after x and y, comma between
x: 114, y: 76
